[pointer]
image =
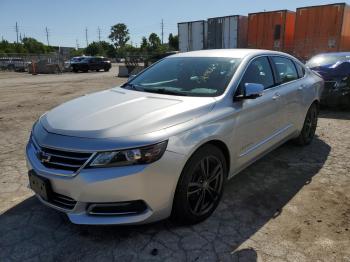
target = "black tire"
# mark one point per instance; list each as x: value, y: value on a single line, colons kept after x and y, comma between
x: 106, y: 69
x: 75, y: 70
x: 198, y: 194
x: 309, y: 128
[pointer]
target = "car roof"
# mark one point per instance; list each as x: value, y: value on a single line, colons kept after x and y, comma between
x: 234, y: 53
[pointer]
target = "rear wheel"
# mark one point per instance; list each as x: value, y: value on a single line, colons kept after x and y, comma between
x: 200, y: 186
x: 106, y: 69
x: 309, y: 128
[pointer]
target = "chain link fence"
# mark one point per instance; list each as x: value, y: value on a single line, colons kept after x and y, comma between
x: 45, y: 63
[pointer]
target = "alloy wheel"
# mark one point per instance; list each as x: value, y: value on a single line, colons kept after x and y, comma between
x: 205, y: 186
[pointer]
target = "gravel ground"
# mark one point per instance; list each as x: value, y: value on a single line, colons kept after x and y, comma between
x: 292, y: 205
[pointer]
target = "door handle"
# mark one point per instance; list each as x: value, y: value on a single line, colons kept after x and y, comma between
x: 276, y: 96
x: 301, y: 87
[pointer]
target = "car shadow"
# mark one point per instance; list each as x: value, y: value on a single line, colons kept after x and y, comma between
x: 335, y: 114
x: 251, y: 199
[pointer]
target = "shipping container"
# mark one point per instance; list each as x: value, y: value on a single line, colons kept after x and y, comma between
x: 272, y: 30
x: 319, y: 29
x: 192, y: 35
x: 227, y: 32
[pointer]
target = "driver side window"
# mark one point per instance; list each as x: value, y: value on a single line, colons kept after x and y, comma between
x: 258, y: 72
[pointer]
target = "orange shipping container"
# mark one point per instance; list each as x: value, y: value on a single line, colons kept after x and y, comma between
x: 320, y: 29
x: 271, y: 30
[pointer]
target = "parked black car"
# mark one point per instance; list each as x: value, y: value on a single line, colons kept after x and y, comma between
x: 335, y: 70
x: 91, y: 63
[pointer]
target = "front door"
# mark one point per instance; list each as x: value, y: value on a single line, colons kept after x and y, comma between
x: 259, y: 120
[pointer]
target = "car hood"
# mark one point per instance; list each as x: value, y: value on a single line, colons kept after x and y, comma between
x: 123, y: 113
x: 332, y: 71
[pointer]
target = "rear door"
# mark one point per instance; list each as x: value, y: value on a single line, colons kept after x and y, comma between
x: 258, y: 120
x: 290, y: 87
x: 93, y: 63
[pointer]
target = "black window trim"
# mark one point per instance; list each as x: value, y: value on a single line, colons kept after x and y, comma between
x: 302, y: 67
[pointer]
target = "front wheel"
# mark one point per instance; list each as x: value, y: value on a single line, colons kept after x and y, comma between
x: 309, y: 128
x: 200, y: 186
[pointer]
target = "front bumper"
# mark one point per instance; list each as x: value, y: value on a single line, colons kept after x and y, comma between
x: 154, y: 184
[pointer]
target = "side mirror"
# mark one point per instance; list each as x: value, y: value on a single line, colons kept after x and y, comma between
x: 251, y: 91
x: 131, y: 77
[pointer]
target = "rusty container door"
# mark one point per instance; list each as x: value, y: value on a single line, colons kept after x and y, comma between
x: 242, y: 31
x: 345, y: 37
x: 271, y: 30
x: 318, y: 29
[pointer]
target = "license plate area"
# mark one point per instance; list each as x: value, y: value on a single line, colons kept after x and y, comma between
x: 39, y: 185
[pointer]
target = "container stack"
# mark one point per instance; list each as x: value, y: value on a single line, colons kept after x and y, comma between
x: 319, y: 29
x: 304, y: 33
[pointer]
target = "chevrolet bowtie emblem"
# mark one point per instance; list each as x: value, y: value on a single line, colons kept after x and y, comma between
x: 45, y: 158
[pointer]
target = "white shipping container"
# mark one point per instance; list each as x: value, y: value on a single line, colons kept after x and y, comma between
x: 227, y: 32
x: 192, y: 35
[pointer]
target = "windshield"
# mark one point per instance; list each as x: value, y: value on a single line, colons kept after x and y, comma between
x: 190, y: 76
x: 330, y: 59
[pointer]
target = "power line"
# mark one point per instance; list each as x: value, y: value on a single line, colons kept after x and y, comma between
x: 86, y: 36
x: 47, y: 36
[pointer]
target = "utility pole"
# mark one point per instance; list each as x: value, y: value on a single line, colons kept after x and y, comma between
x: 17, y: 31
x: 47, y: 36
x: 20, y: 37
x: 76, y: 41
x: 162, y: 24
x: 99, y: 34
x: 86, y: 36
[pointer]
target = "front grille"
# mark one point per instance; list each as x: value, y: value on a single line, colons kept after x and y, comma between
x: 59, y: 159
x: 62, y: 201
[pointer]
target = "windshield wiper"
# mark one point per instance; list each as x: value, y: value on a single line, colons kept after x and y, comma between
x: 163, y: 91
x: 132, y: 86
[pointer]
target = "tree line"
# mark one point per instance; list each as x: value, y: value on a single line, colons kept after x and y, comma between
x: 118, y: 47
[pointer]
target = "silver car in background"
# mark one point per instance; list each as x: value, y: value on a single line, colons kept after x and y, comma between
x: 164, y: 143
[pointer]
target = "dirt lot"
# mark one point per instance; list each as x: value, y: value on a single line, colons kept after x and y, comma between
x: 292, y: 205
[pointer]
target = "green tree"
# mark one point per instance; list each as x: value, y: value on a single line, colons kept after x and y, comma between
x: 77, y: 52
x: 119, y: 35
x: 93, y: 49
x: 101, y: 48
x: 144, y: 44
x: 34, y: 46
x: 154, y: 41
x: 173, y: 42
x: 108, y: 49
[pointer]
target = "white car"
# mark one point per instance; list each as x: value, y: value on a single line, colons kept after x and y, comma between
x: 164, y: 143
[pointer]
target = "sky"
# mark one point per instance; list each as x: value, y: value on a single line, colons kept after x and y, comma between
x: 67, y: 21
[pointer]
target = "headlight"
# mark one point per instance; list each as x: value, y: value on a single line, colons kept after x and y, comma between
x: 135, y: 156
x: 342, y: 83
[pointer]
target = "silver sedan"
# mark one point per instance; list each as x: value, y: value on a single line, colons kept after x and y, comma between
x: 164, y: 143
